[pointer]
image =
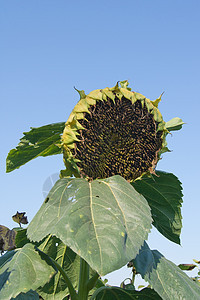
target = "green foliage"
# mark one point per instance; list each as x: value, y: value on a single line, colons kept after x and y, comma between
x: 24, y: 269
x: 165, y: 277
x: 104, y: 221
x: 164, y: 195
x: 85, y: 228
x: 41, y: 141
x: 21, y: 238
x: 115, y: 293
x: 57, y: 288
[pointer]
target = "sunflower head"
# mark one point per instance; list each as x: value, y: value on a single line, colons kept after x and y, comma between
x: 113, y: 131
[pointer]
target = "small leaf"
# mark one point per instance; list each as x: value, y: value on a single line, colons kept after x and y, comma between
x: 7, y: 239
x: 56, y: 288
x: 41, y: 141
x: 103, y: 221
x: 24, y: 269
x: 113, y: 293
x: 164, y: 195
x: 174, y: 124
x: 187, y: 267
x: 164, y: 276
x: 20, y: 218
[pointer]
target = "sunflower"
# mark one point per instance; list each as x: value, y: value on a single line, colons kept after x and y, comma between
x: 113, y: 131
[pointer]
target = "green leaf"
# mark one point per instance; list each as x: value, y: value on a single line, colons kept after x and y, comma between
x: 115, y: 293
x: 56, y: 288
x: 24, y: 269
x: 164, y: 276
x: 164, y: 195
x: 41, y: 141
x: 103, y: 221
x: 174, y: 124
x: 31, y: 295
x: 21, y: 238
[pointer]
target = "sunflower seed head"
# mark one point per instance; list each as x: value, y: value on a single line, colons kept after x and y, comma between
x: 113, y: 131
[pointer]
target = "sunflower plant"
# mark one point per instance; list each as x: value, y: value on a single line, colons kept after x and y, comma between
x: 97, y: 217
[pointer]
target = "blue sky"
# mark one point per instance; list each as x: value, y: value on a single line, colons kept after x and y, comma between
x: 48, y: 47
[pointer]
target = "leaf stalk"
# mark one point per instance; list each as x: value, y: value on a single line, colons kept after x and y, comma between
x: 92, y: 281
x: 72, y: 291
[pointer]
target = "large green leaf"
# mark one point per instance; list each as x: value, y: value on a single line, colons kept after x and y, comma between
x: 24, y: 269
x: 164, y: 195
x: 57, y: 288
x: 103, y: 221
x: 41, y: 141
x: 115, y: 293
x: 165, y: 277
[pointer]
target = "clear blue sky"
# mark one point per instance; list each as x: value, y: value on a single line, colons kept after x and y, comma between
x: 48, y: 47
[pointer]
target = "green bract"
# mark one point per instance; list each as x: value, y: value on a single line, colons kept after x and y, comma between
x: 113, y: 131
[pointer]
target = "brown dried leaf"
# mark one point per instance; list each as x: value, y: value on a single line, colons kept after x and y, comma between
x: 7, y: 239
x: 20, y: 218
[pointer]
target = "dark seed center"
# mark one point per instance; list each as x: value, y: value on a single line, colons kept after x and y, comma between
x: 119, y: 138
